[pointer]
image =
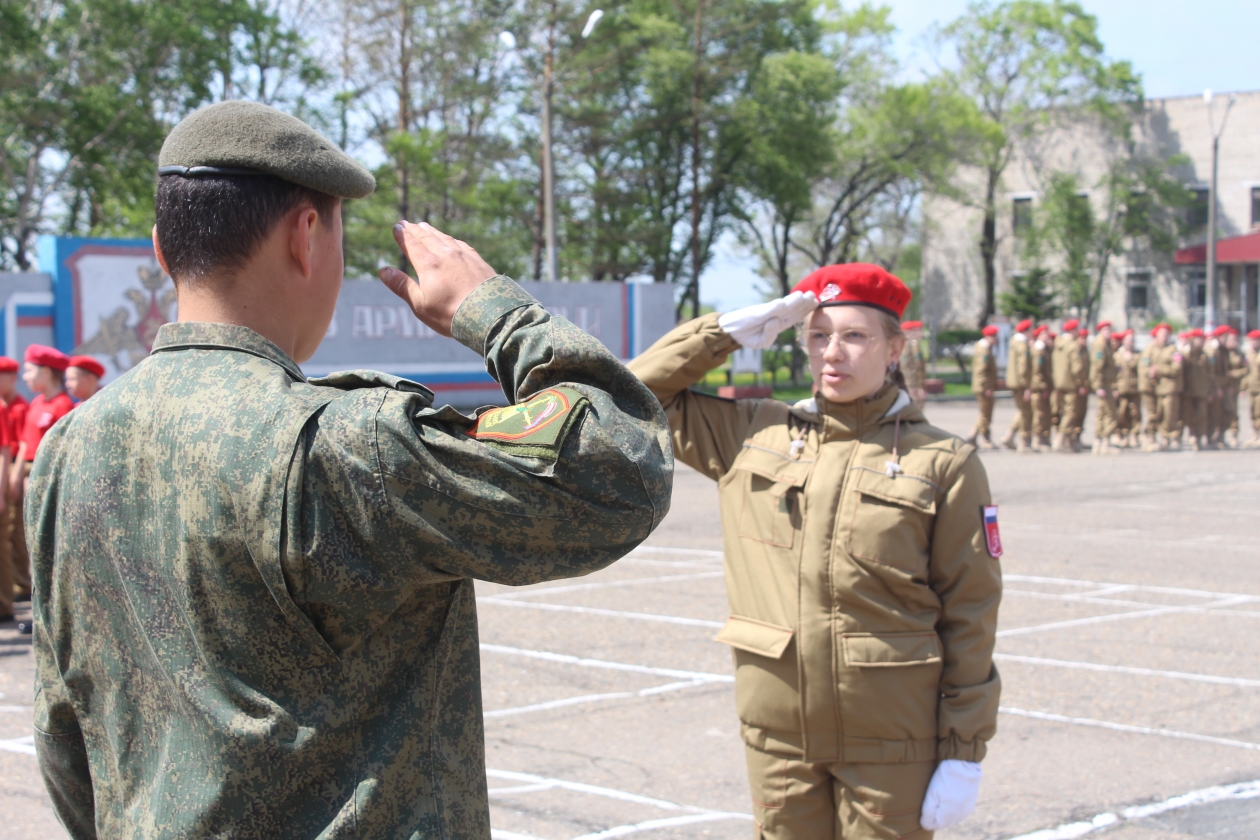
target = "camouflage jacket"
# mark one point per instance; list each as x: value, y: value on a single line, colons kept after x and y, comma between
x: 254, y: 591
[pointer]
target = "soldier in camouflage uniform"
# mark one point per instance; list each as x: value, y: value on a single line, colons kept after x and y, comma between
x: 1128, y: 398
x: 1200, y: 379
x: 1167, y: 371
x: 1213, y: 351
x: 254, y: 598
x: 1042, y: 387
x: 1147, y: 376
x: 1102, y: 378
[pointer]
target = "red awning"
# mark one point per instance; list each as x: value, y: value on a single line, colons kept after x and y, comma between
x: 1236, y: 249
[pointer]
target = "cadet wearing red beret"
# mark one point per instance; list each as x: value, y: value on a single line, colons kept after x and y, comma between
x: 1102, y: 325
x: 857, y: 284
x: 1019, y: 371
x: 83, y: 377
x: 1069, y: 326
x: 12, y: 416
x: 1252, y: 383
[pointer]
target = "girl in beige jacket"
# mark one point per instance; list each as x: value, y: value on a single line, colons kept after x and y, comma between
x: 863, y: 581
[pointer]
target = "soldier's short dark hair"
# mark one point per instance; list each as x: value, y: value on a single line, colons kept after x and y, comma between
x: 216, y: 223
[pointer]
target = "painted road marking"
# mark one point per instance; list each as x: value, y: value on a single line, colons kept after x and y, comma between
x: 534, y: 783
x: 25, y: 745
x: 1125, y: 669
x: 1126, y: 727
x: 536, y: 605
x: 593, y: 698
x: 1205, y: 796
x: 612, y: 584
x: 699, y: 676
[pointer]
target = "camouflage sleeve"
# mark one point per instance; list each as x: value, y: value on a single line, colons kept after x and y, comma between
x: 567, y: 479
x: 59, y: 746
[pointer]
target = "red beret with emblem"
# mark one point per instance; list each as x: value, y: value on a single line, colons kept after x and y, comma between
x: 1024, y: 325
x: 89, y: 364
x: 1068, y: 326
x: 8, y: 365
x: 45, y: 356
x: 912, y: 325
x: 857, y: 284
x: 989, y: 331
x: 1101, y: 325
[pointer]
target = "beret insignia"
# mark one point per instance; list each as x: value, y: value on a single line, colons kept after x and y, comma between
x: 535, y: 427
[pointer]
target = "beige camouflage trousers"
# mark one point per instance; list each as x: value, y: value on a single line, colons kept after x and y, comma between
x: 1023, y: 422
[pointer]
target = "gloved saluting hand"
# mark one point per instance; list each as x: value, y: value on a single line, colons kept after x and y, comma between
x: 951, y: 795
x: 757, y: 326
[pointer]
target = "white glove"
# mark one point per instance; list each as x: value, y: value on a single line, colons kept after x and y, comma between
x: 951, y: 795
x: 757, y: 326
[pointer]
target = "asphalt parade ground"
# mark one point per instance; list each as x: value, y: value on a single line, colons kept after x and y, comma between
x: 1127, y: 646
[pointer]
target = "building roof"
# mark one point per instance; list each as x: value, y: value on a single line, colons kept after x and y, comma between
x: 1236, y: 249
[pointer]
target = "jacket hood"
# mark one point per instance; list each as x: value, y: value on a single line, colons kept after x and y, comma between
x: 853, y: 419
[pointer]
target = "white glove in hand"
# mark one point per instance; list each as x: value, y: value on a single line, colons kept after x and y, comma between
x: 951, y: 795
x: 758, y: 326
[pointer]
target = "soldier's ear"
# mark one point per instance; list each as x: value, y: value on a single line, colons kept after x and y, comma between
x: 157, y: 251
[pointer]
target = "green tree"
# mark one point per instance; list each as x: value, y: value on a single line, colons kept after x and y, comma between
x: 1031, y: 296
x: 1028, y: 64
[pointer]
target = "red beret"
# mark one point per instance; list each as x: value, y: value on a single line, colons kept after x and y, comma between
x: 1159, y: 327
x: 1023, y: 325
x: 1041, y: 329
x: 989, y: 330
x: 857, y: 284
x: 1083, y: 332
x: 8, y: 365
x: 912, y: 325
x: 1068, y: 326
x: 89, y: 364
x: 1102, y: 324
x: 40, y: 354
x: 1223, y: 329
x: 1194, y: 333
x: 1254, y: 334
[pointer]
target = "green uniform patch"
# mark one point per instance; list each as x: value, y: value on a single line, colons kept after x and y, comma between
x: 536, y: 427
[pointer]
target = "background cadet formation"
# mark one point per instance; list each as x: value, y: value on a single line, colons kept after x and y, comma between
x: 49, y: 373
x: 1174, y: 394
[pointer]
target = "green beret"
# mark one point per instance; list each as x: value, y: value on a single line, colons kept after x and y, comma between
x: 242, y: 138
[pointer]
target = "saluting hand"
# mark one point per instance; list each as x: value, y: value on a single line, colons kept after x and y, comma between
x: 447, y: 270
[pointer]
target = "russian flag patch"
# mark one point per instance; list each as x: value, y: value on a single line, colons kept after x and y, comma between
x: 992, y: 539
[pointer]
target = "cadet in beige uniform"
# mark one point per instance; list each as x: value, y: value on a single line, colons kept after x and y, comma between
x: 1070, y: 388
x: 1235, y: 372
x: 1019, y: 380
x: 1102, y: 378
x: 863, y: 585
x: 1147, y: 376
x: 1167, y: 372
x: 1252, y: 385
x: 913, y: 368
x: 1042, y: 387
x: 984, y: 382
x: 1213, y: 352
x: 1199, y: 382
x: 1128, y: 397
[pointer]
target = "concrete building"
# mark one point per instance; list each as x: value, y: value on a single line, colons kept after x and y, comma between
x: 1140, y: 286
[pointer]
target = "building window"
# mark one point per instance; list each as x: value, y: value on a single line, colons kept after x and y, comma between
x: 1197, y: 212
x: 1139, y: 293
x: 1255, y: 206
x: 1198, y: 293
x: 1021, y: 218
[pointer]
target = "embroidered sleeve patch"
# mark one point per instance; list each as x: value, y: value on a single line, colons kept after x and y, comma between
x: 992, y: 539
x: 536, y: 427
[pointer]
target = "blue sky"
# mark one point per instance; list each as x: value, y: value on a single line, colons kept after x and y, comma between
x: 1179, y: 48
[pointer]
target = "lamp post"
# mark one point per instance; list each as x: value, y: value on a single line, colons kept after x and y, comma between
x: 1209, y: 315
x: 551, y: 259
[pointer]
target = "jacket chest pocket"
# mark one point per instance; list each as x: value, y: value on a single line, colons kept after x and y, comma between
x: 892, y: 519
x: 770, y: 485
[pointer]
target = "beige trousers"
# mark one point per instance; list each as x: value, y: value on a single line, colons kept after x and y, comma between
x: 798, y: 800
x: 1105, y: 421
x: 1023, y: 422
x: 985, y: 420
x: 1043, y: 414
x: 1128, y: 413
x: 1170, y: 415
x: 1152, y: 407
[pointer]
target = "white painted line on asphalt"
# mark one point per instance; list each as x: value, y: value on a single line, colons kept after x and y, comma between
x: 1125, y: 727
x: 497, y: 834
x: 536, y: 783
x: 666, y: 822
x: 25, y: 745
x: 697, y: 552
x: 612, y: 584
x: 1137, y: 587
x: 1125, y: 669
x: 557, y: 704
x: 17, y: 709
x: 699, y: 676
x: 1205, y: 796
x: 1217, y: 608
x: 1080, y: 622
x: 666, y: 619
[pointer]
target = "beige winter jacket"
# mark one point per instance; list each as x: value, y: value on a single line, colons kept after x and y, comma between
x: 863, y: 605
